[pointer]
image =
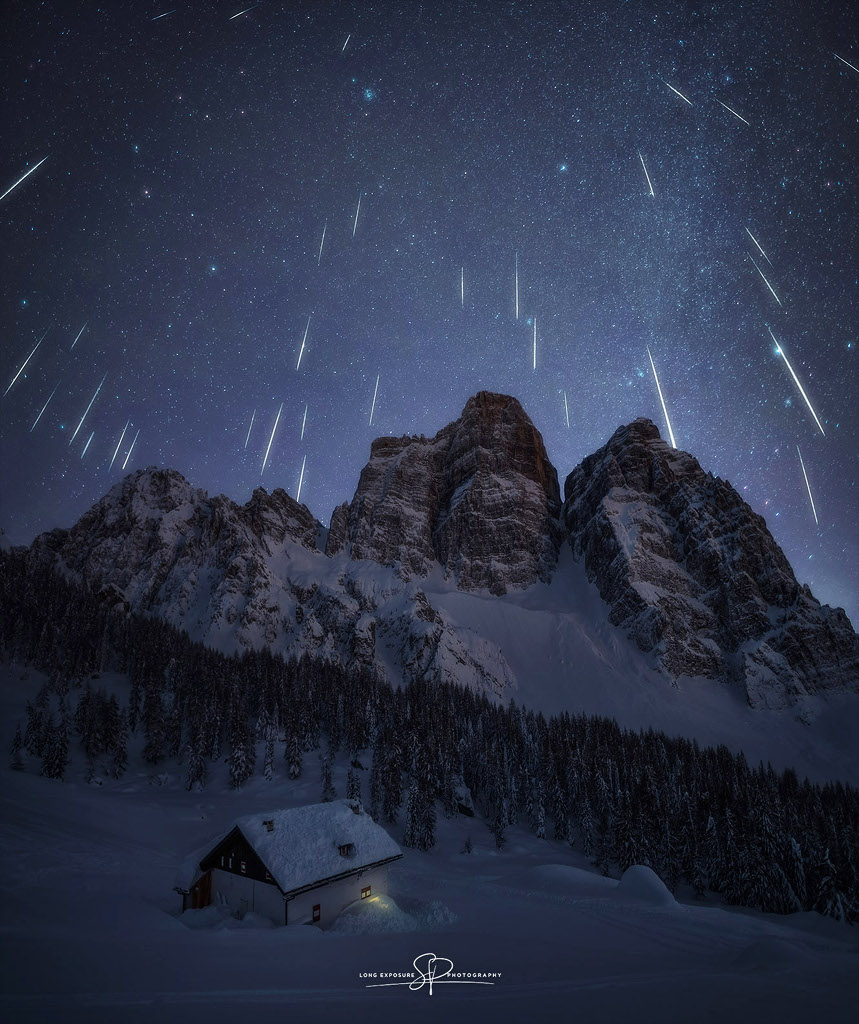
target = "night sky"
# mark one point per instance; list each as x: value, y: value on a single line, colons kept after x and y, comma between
x: 194, y: 161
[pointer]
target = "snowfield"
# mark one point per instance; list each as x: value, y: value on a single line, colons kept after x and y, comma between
x: 91, y: 930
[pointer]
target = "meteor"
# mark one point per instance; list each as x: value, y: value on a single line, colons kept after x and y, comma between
x: 78, y: 427
x: 164, y: 15
x: 778, y: 300
x: 725, y: 105
x: 534, y: 367
x: 92, y: 435
x: 346, y: 43
x: 758, y: 244
x: 303, y: 423
x: 27, y: 360
x: 462, y: 287
x: 80, y: 332
x: 131, y: 449
x: 324, y: 228
x: 118, y: 443
x: 780, y: 351
x: 843, y: 61
x: 277, y: 420
x: 644, y: 165
x: 45, y: 406
x: 250, y: 428
x: 808, y: 485
x: 18, y: 182
x: 680, y: 94
x: 373, y: 408
x: 516, y: 276
x: 303, y: 340
x: 357, y: 211
x: 245, y: 11
x: 661, y: 399
x: 301, y: 479
x: 566, y: 410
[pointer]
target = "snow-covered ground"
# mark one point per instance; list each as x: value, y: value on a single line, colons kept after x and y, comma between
x: 91, y: 930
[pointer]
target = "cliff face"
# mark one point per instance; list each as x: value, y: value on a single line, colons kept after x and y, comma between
x: 691, y: 573
x: 480, y: 498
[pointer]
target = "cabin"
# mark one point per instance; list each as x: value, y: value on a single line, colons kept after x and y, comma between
x: 298, y: 866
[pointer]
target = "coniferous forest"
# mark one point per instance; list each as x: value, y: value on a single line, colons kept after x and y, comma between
x: 702, y: 816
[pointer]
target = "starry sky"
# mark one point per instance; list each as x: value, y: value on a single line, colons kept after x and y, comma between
x: 195, y: 160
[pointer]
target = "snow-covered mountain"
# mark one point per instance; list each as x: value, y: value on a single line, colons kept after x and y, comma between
x: 456, y: 560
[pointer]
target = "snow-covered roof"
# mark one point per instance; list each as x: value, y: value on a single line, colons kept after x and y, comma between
x: 303, y: 844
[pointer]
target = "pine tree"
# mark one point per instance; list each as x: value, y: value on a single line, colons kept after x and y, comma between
x: 16, y: 762
x: 329, y: 793
x: 294, y: 756
x: 353, y: 786
x: 268, y: 762
x: 467, y: 846
x: 56, y: 757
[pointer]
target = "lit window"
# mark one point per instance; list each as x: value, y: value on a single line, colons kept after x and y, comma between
x: 317, y: 911
x: 244, y: 866
x: 365, y: 892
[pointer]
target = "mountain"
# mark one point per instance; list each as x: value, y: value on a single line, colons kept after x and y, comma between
x: 456, y: 559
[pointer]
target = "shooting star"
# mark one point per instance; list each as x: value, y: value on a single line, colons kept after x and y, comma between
x: 346, y: 43
x: 680, y: 94
x: 516, y: 279
x: 18, y: 182
x: 92, y: 435
x: 725, y: 105
x: 80, y: 332
x: 303, y: 340
x: 324, y: 228
x: 164, y: 15
x: 273, y: 429
x: 250, y: 428
x: 131, y: 449
x: 462, y: 287
x: 758, y: 244
x: 118, y: 443
x: 534, y: 360
x: 808, y: 485
x: 566, y: 410
x: 27, y: 360
x: 661, y: 399
x: 301, y: 478
x: 45, y: 406
x: 778, y: 300
x: 303, y: 423
x: 357, y: 211
x: 780, y: 351
x: 373, y: 408
x: 644, y: 165
x: 843, y: 61
x: 86, y: 411
x: 245, y: 11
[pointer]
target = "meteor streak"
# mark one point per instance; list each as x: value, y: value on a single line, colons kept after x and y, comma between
x: 78, y: 427
x: 725, y: 105
x: 80, y: 332
x: 92, y: 435
x: 357, y: 211
x: 268, y: 449
x: 644, y: 165
x: 680, y: 94
x: 516, y: 275
x: 778, y: 300
x: 250, y: 428
x: 303, y: 423
x: 758, y: 244
x: 566, y: 410
x: 164, y: 15
x: 301, y: 478
x: 346, y: 43
x: 462, y: 287
x: 118, y: 443
x: 324, y: 228
x: 661, y: 399
x: 27, y: 360
x: 373, y: 408
x: 534, y: 367
x: 303, y: 340
x: 45, y: 406
x: 245, y: 11
x: 18, y: 182
x: 808, y: 485
x: 131, y: 449
x: 843, y: 61
x: 780, y: 351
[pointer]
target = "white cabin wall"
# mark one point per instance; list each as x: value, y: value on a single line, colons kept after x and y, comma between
x: 262, y: 897
x: 335, y: 897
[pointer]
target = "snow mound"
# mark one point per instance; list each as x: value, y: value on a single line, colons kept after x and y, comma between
x: 382, y: 914
x: 642, y: 883
x: 771, y: 954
